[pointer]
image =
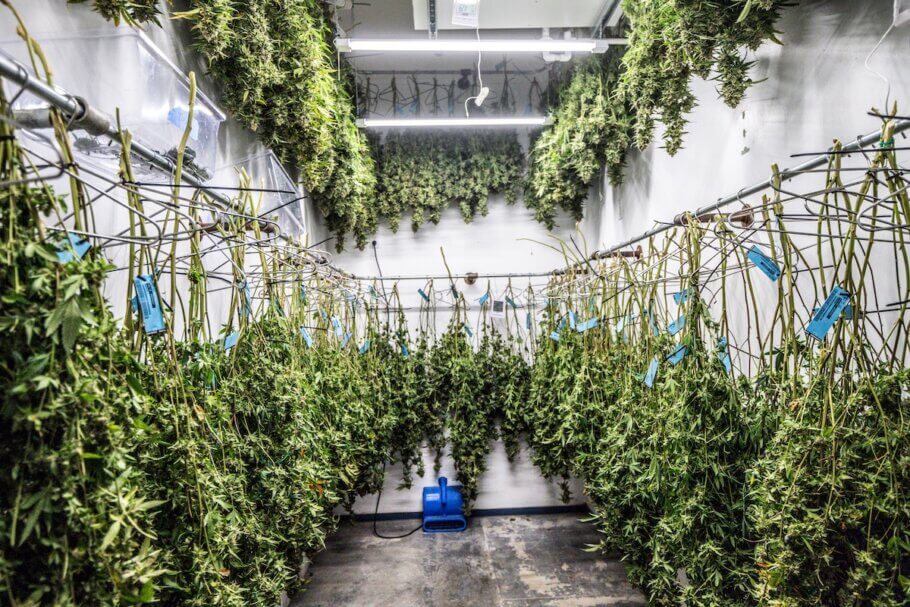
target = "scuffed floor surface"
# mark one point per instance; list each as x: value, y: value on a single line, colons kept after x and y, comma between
x: 517, y: 561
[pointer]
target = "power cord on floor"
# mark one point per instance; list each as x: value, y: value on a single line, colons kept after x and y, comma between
x: 376, y: 514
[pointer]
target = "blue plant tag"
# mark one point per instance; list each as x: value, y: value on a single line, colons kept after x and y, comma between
x: 365, y: 347
x: 75, y: 247
x: 423, y: 295
x: 336, y: 324
x: 825, y: 316
x: 554, y: 335
x: 344, y: 342
x: 404, y: 351
x: 562, y: 324
x: 247, y: 308
x: 306, y: 337
x: 682, y: 297
x: 572, y: 320
x: 231, y: 340
x: 764, y: 263
x: 678, y: 354
x: 651, y: 375
x: 724, y: 354
x: 654, y: 328
x: 511, y: 303
x: 149, y: 304
x: 677, y: 325
x: 484, y: 299
x: 467, y: 329
x: 587, y: 325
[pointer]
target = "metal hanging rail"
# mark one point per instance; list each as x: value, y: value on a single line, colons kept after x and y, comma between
x: 819, y: 161
x: 81, y: 115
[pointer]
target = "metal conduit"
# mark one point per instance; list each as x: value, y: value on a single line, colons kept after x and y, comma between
x: 81, y: 115
x: 819, y: 161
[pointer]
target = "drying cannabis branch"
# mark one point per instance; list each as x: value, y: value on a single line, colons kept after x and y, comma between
x: 424, y: 173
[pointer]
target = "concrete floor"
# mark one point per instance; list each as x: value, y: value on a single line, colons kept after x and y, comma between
x: 517, y: 561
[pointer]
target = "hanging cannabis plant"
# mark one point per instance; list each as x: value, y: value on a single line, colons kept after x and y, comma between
x: 425, y: 173
x: 591, y: 127
x: 279, y: 77
x: 132, y: 12
x: 79, y: 518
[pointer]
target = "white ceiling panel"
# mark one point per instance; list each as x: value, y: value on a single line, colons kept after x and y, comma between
x: 514, y: 14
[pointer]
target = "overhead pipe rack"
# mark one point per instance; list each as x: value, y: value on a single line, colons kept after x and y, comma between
x: 81, y: 115
x: 710, y: 210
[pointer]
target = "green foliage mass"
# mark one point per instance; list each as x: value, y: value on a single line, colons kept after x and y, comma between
x: 279, y: 77
x: 132, y: 12
x: 591, y: 127
x: 424, y: 173
x: 615, y: 100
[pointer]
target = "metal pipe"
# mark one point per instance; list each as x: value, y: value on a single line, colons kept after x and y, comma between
x: 818, y: 161
x: 84, y: 116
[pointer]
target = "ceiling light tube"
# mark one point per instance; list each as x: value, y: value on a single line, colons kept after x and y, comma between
x: 451, y: 122
x: 467, y: 45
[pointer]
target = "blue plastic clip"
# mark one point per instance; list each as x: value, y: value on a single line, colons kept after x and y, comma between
x: 724, y: 354
x: 825, y: 317
x: 423, y: 295
x: 554, y: 335
x: 467, y: 329
x: 404, y: 351
x: 306, y: 337
x: 764, y: 263
x: 149, y: 304
x: 337, y: 326
x: 678, y: 354
x: 511, y: 303
x: 654, y: 328
x: 344, y: 342
x: 75, y: 247
x: 231, y: 340
x: 373, y: 292
x: 484, y: 299
x: 365, y: 347
x: 247, y: 308
x: 651, y: 375
x: 587, y: 325
x: 677, y: 325
x: 682, y: 297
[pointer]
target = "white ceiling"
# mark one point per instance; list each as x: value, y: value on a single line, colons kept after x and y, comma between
x: 517, y: 14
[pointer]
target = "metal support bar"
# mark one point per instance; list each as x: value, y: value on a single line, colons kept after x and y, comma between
x: 819, y: 161
x: 81, y: 115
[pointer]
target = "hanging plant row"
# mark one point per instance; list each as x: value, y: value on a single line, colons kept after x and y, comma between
x: 280, y: 77
x: 785, y: 486
x: 613, y: 101
x: 175, y: 464
x: 424, y: 173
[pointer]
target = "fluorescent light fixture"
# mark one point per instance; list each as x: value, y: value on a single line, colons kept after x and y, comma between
x: 446, y: 122
x: 468, y: 45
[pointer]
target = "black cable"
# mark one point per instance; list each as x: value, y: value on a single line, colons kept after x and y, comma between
x: 376, y: 514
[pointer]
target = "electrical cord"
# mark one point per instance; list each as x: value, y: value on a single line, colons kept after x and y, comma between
x: 376, y: 514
